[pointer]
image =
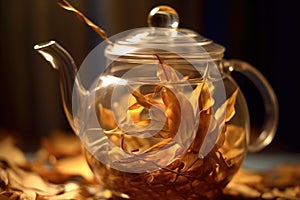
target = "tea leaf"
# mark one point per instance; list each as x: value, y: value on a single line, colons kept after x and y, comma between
x: 3, y: 179
x: 204, y: 121
x: 106, y: 118
x: 173, y: 111
x: 211, y: 137
x: 217, y: 125
x: 165, y: 72
x: 143, y: 100
x: 67, y: 6
x: 227, y: 110
x: 176, y: 103
x: 206, y: 100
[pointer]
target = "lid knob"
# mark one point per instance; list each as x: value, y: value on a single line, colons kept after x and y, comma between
x: 163, y: 16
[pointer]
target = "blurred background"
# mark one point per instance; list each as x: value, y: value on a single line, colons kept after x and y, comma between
x: 263, y: 33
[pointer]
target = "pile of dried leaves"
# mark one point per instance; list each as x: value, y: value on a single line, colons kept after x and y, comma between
x: 23, y: 178
x: 57, y: 171
x: 281, y: 182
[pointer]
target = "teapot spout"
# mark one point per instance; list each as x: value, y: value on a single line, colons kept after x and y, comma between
x: 70, y: 86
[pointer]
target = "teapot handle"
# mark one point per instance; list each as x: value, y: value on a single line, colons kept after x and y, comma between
x: 270, y: 123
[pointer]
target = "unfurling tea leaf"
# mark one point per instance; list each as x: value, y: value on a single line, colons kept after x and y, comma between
x: 106, y: 118
x: 206, y: 101
x: 173, y: 111
x: 167, y: 74
x: 214, y: 135
x: 230, y: 111
x: 227, y: 109
x: 143, y: 100
x: 177, y: 104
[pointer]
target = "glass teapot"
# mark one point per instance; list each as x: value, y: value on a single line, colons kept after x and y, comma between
x: 160, y: 116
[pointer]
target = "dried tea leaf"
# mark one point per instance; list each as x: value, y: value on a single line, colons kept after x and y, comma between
x: 173, y: 112
x: 3, y: 178
x: 176, y: 104
x: 214, y: 136
x: 106, y: 118
x: 61, y: 144
x: 75, y: 166
x: 71, y: 191
x: 227, y: 110
x: 205, y: 103
x: 206, y: 100
x: 67, y: 6
x: 166, y: 73
x: 288, y: 193
x: 242, y: 190
x: 248, y: 184
x: 139, y: 145
x: 9, y: 151
x: 204, y: 121
x: 142, y: 99
x: 146, y: 100
x: 235, y: 141
x: 158, y: 145
x: 211, y: 137
x: 8, y: 195
x: 28, y: 182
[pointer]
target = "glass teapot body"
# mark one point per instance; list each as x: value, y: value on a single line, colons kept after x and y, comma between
x: 177, y: 130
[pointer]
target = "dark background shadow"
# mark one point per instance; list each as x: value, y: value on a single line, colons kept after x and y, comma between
x: 263, y: 33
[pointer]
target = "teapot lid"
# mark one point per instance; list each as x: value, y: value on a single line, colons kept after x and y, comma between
x: 162, y: 37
